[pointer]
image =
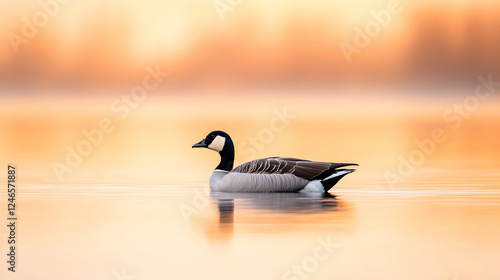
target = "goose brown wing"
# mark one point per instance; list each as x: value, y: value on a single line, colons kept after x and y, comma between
x: 277, y: 165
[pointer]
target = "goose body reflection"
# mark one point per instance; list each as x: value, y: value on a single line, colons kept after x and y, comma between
x: 274, y: 174
x: 279, y: 202
x: 275, y: 212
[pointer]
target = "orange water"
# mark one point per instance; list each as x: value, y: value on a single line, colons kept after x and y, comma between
x: 137, y: 205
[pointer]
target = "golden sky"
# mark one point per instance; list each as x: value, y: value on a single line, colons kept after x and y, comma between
x: 279, y: 43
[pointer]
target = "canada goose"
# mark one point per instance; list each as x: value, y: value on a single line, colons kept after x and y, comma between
x: 274, y: 174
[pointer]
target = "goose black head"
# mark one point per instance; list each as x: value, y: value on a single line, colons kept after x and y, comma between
x: 220, y: 142
x: 215, y: 140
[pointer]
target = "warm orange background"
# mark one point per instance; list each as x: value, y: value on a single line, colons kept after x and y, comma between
x: 119, y: 208
x: 232, y: 74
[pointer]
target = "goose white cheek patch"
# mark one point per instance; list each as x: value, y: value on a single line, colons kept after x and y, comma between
x: 217, y: 144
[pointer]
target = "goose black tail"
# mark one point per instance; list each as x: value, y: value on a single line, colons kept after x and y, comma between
x: 333, y: 179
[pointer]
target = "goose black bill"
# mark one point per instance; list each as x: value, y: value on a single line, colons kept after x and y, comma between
x: 200, y: 144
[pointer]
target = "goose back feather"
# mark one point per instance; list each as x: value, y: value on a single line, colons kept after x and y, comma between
x: 309, y: 170
x: 276, y: 174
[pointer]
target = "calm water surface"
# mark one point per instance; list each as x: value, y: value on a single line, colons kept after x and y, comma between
x: 185, y: 232
x: 109, y: 220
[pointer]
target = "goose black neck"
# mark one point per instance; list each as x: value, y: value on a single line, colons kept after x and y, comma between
x: 226, y: 156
